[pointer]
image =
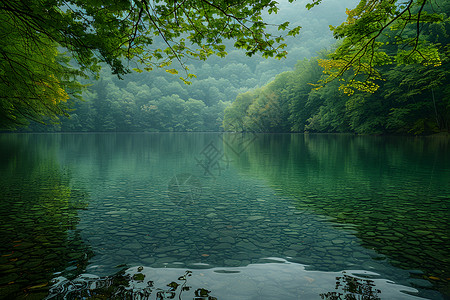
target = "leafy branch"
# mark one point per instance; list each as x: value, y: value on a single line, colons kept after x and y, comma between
x: 365, y: 42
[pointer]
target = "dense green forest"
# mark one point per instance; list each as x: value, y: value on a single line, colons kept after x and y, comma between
x: 160, y: 101
x: 411, y: 98
x: 48, y: 47
x: 387, y: 73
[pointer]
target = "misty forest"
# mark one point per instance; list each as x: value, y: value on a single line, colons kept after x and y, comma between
x: 224, y: 149
x: 392, y: 80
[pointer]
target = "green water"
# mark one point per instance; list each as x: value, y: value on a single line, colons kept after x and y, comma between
x: 253, y: 216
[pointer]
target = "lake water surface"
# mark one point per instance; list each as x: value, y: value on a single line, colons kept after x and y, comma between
x: 224, y: 216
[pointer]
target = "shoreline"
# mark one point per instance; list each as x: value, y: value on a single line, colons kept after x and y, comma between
x: 438, y: 134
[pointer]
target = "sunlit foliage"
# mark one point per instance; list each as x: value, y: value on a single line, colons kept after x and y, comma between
x: 378, y: 33
x: 34, y: 78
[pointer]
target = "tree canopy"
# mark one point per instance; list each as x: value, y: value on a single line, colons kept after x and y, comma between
x: 151, y: 33
x: 36, y: 78
x: 382, y: 32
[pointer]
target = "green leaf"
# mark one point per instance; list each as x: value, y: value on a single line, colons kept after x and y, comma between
x: 283, y: 26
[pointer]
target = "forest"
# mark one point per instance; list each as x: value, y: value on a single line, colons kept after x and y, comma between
x: 160, y: 101
x: 410, y: 99
x: 266, y: 149
x: 398, y: 85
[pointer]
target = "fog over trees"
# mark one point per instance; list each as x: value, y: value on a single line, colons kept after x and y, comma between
x: 380, y: 76
x: 148, y: 101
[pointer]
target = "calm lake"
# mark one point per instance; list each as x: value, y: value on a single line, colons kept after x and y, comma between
x: 224, y: 216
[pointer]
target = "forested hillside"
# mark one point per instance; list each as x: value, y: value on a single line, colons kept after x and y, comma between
x: 160, y: 101
x: 294, y: 94
x: 409, y: 99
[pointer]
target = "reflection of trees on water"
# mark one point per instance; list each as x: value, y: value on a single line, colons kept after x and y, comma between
x: 352, y: 288
x: 39, y: 211
x: 395, y: 189
x: 136, y: 283
x: 126, y: 284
